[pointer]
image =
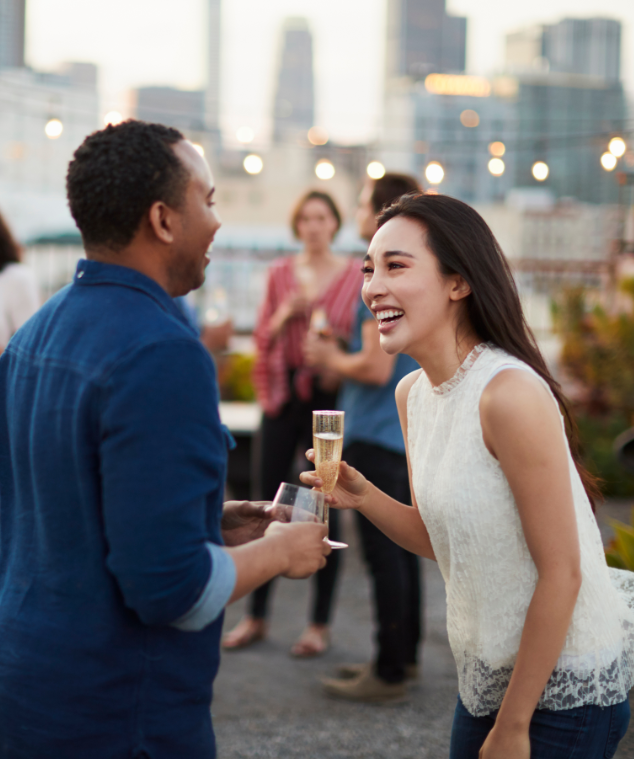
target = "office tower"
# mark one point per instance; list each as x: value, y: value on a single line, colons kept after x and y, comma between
x: 584, y: 46
x: 181, y: 109
x: 424, y: 39
x: 294, y: 106
x: 212, y: 104
x: 12, y: 28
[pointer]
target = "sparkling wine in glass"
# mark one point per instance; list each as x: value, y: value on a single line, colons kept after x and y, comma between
x: 328, y: 445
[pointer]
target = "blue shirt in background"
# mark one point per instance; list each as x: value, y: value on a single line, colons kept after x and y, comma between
x: 371, y: 413
x: 112, y: 468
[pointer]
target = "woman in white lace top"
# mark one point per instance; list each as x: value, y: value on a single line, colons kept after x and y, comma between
x: 543, y: 640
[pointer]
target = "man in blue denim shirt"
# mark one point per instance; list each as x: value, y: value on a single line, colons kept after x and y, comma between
x: 112, y: 466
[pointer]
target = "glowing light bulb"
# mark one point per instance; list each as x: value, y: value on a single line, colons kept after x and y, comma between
x: 375, y: 170
x: 608, y: 161
x: 53, y: 129
x: 496, y: 167
x: 253, y: 164
x: 540, y: 171
x: 324, y: 169
x: 497, y: 149
x: 617, y: 146
x: 245, y: 135
x: 434, y: 173
x: 113, y: 118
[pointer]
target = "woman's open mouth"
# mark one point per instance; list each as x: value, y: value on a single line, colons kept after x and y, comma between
x: 388, y: 318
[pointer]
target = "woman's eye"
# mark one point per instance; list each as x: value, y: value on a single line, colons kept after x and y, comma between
x: 394, y: 265
x: 366, y: 270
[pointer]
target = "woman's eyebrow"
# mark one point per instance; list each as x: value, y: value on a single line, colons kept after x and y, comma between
x: 392, y: 253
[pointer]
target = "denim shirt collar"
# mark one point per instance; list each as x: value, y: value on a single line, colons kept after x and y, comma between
x: 98, y: 273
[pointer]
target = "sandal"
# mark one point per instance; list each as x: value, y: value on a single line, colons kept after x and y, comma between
x: 314, y: 641
x: 248, y: 631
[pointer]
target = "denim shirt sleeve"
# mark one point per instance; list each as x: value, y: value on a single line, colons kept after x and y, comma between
x: 163, y: 458
x: 216, y: 594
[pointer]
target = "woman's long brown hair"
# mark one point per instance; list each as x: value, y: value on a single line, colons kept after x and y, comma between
x: 463, y: 244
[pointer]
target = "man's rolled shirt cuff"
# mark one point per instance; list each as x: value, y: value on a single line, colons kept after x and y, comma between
x: 215, y: 596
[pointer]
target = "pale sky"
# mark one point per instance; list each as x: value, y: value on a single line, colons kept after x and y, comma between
x: 138, y: 42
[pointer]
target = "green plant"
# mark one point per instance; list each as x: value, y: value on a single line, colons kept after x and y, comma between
x: 598, y: 354
x: 620, y: 550
x: 234, y: 377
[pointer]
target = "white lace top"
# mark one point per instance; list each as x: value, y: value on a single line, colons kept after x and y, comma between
x: 473, y: 522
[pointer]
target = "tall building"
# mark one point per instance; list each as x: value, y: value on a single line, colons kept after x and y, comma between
x: 212, y: 105
x: 12, y: 29
x: 294, y: 106
x: 589, y: 46
x: 181, y: 109
x: 424, y: 39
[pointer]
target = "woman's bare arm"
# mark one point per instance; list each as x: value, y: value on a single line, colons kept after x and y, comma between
x: 522, y: 429
x: 401, y: 523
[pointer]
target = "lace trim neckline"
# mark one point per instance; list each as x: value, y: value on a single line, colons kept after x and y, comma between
x: 461, y: 372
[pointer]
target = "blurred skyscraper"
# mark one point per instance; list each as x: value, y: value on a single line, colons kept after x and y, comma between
x: 12, y: 28
x: 212, y: 105
x: 585, y: 46
x: 182, y: 109
x: 589, y: 46
x: 424, y: 39
x: 294, y: 106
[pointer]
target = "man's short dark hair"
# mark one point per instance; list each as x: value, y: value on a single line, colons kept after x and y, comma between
x: 390, y: 188
x: 117, y: 174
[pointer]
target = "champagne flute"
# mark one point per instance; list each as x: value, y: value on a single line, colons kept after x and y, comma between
x: 297, y: 504
x: 328, y: 445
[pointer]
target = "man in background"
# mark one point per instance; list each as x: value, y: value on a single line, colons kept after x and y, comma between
x: 113, y: 574
x: 373, y: 444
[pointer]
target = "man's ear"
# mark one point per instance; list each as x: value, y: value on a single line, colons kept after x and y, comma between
x: 460, y: 288
x: 161, y: 218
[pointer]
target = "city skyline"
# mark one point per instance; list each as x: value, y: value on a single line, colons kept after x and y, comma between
x: 344, y: 62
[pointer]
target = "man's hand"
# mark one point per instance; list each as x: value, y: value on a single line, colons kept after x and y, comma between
x: 244, y: 521
x: 318, y: 351
x: 305, y: 547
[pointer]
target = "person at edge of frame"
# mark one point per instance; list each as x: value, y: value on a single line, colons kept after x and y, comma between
x: 113, y: 570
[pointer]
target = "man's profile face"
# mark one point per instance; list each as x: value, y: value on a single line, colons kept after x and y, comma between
x: 199, y: 223
x: 366, y: 215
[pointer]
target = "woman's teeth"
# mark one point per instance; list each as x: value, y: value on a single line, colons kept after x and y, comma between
x: 388, y: 316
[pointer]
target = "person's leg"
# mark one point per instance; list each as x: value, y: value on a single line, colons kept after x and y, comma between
x: 586, y: 732
x: 468, y: 733
x: 278, y: 444
x: 326, y: 578
x: 279, y: 441
x: 395, y: 572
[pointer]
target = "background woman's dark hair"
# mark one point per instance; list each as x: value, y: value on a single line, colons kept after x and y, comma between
x: 314, y: 195
x: 391, y: 186
x: 463, y: 244
x: 9, y: 248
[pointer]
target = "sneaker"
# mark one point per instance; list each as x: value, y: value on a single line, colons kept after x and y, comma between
x: 367, y: 688
x: 350, y: 671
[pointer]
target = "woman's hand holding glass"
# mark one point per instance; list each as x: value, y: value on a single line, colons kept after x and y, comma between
x: 350, y: 491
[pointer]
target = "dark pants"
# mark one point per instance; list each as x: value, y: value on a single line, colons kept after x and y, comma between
x: 282, y: 437
x: 587, y: 732
x: 395, y: 572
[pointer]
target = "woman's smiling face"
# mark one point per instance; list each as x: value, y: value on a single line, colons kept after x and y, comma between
x: 413, y: 302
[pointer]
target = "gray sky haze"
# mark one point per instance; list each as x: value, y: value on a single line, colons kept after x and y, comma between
x: 137, y: 42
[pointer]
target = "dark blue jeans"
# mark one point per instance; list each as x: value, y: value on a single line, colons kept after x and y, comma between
x: 587, y: 732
